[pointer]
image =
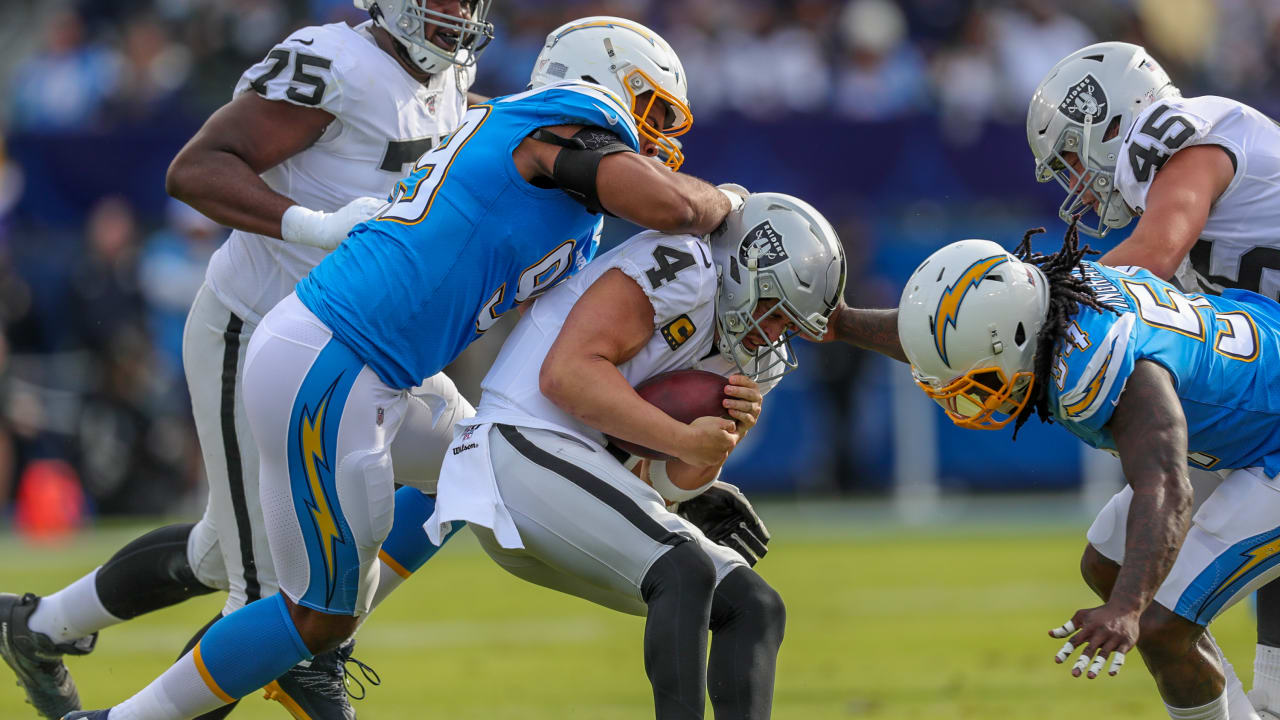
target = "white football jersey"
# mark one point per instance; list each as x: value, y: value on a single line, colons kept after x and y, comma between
x: 677, y: 275
x: 1239, y: 246
x: 384, y: 120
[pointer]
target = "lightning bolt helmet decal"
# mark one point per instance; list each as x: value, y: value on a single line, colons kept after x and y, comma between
x: 949, y: 304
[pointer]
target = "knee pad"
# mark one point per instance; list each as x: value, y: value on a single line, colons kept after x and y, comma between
x: 366, y: 494
x: 149, y: 573
x: 684, y: 568
x: 204, y: 555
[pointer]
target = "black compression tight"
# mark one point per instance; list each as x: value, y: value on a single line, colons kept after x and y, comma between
x: 747, y: 623
x: 678, y: 590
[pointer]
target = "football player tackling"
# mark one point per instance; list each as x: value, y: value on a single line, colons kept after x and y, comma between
x: 507, y: 207
x: 1127, y: 363
x: 1202, y: 175
x: 332, y: 117
x: 549, y: 504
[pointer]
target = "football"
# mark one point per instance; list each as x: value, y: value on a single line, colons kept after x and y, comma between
x: 682, y: 394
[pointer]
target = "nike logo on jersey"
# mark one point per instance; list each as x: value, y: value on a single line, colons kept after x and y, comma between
x: 307, y: 42
x: 611, y: 117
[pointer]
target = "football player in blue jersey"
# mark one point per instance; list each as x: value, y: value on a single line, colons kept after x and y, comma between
x: 1127, y: 363
x: 506, y: 208
x: 1202, y: 177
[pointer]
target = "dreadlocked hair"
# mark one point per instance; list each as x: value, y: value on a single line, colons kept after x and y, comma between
x: 1067, y: 292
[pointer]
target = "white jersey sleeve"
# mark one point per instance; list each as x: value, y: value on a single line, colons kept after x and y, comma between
x: 1160, y: 131
x: 301, y: 70
x: 1238, y: 246
x: 661, y: 265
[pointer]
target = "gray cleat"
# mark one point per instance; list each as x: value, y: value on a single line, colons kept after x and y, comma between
x: 37, y: 660
x: 318, y: 689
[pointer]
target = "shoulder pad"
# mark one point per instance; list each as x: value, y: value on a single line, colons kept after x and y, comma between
x: 574, y: 102
x: 675, y: 271
x: 1157, y: 133
x: 304, y: 68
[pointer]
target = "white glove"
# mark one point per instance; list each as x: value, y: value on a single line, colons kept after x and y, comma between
x: 323, y: 229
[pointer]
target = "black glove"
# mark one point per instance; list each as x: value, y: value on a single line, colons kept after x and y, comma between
x: 725, y: 515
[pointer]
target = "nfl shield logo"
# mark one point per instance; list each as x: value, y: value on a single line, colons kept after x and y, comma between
x: 466, y: 433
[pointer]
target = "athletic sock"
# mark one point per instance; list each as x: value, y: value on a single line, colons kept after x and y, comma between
x: 407, y: 547
x: 1266, y: 678
x: 239, y: 654
x: 73, y: 612
x: 1239, y: 707
x: 1215, y: 710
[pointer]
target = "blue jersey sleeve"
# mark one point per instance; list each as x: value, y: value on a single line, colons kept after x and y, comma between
x: 581, y: 103
x: 1093, y: 361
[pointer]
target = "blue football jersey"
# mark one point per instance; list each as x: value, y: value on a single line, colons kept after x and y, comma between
x: 1222, y: 351
x: 464, y: 239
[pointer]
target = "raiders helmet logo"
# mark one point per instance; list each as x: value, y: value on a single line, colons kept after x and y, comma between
x: 764, y: 244
x: 1084, y: 100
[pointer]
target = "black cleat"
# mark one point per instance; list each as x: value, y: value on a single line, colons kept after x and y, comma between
x: 318, y: 689
x: 37, y: 660
x: 87, y: 715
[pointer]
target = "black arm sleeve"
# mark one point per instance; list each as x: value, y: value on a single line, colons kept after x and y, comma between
x: 578, y: 160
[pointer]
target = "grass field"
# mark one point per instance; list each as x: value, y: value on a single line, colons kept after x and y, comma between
x: 947, y: 621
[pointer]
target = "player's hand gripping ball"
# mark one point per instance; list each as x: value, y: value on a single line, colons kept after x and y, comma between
x: 684, y: 395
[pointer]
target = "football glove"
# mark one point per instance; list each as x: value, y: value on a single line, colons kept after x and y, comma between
x: 725, y: 516
x: 326, y: 230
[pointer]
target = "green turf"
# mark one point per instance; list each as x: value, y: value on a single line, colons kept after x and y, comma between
x: 883, y: 622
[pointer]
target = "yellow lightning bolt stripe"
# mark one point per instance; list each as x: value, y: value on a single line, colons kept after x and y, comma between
x: 313, y: 455
x: 1095, y: 386
x: 1256, y: 556
x: 949, y: 304
x: 608, y: 23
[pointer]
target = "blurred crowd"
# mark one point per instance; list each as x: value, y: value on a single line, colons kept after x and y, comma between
x: 92, y: 311
x: 968, y: 60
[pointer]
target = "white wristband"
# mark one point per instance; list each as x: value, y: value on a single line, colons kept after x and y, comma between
x: 302, y: 225
x: 661, y: 482
x: 735, y: 200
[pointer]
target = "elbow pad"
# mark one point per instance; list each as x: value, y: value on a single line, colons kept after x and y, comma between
x: 579, y: 159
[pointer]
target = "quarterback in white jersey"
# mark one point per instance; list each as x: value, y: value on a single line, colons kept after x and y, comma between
x: 1202, y: 175
x: 553, y: 503
x: 313, y: 141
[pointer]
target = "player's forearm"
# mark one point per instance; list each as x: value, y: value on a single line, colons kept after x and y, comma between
x: 593, y: 391
x: 1158, y: 257
x: 224, y: 188
x: 1159, y: 518
x: 645, y: 192
x: 868, y: 329
x: 1150, y: 433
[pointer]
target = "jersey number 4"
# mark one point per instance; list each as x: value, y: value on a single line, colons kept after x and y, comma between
x: 670, y: 262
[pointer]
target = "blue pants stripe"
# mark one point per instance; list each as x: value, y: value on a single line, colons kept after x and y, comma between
x: 1229, y: 573
x: 334, y: 561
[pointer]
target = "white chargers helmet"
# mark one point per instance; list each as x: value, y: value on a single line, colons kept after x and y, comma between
x: 630, y: 60
x: 408, y: 20
x: 776, y: 248
x: 968, y: 321
x: 1085, y: 106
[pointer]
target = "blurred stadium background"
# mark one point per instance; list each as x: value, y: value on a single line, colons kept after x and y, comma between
x: 902, y: 121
